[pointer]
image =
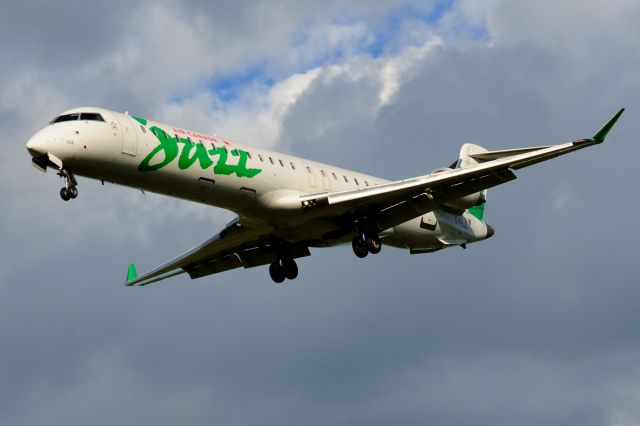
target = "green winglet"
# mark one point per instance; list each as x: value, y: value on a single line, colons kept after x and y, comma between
x: 602, y: 134
x: 131, y: 273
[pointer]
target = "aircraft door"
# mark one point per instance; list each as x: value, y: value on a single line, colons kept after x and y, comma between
x: 312, y: 177
x: 129, y: 136
x: 326, y: 183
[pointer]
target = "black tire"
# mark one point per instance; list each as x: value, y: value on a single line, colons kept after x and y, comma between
x: 64, y: 194
x: 373, y: 244
x: 73, y: 192
x: 290, y: 269
x: 277, y: 272
x: 359, y: 247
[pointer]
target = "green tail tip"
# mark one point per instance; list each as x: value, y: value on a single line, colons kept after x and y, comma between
x: 131, y: 273
x: 602, y: 134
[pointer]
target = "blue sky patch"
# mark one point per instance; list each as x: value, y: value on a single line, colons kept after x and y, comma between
x: 228, y: 87
x: 379, y: 39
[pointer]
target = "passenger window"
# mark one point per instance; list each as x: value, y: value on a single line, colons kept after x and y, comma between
x: 249, y: 155
x: 366, y: 183
x: 323, y: 173
x: 335, y: 177
x: 281, y: 163
x: 143, y: 129
x: 346, y: 179
x: 356, y: 181
x: 271, y: 160
x: 293, y: 166
x: 260, y: 157
x: 309, y: 170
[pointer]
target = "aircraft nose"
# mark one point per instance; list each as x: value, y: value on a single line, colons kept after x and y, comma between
x: 36, y: 146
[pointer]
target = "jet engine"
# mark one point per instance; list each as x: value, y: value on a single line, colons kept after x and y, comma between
x: 462, y: 203
x: 475, y: 199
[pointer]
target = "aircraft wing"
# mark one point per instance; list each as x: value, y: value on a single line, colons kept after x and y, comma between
x: 237, y: 245
x: 396, y: 202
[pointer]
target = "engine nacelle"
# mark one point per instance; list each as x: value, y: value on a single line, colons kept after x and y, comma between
x: 467, y: 201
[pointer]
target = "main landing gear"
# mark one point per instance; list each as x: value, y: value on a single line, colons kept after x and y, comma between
x: 69, y: 191
x: 365, y: 244
x: 283, y: 268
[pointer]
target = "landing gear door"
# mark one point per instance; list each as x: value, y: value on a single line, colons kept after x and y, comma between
x: 129, y: 136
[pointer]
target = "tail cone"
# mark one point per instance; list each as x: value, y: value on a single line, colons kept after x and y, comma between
x: 490, y: 231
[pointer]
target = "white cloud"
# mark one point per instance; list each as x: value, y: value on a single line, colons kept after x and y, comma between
x: 256, y: 116
x: 400, y: 67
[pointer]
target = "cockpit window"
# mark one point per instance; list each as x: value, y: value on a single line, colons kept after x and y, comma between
x: 89, y: 116
x: 92, y: 116
x: 66, y: 117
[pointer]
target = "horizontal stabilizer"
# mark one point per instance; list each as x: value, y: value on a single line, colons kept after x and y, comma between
x: 496, y: 155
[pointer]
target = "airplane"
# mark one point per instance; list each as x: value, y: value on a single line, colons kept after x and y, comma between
x: 285, y: 205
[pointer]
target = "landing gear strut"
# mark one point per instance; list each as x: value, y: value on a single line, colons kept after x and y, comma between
x: 365, y: 244
x: 283, y: 268
x: 69, y: 191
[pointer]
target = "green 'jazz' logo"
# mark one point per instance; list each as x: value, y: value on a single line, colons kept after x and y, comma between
x: 188, y: 153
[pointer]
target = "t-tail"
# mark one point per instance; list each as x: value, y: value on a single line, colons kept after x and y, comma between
x: 466, y: 159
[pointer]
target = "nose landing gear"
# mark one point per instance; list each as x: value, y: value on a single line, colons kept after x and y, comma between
x: 69, y: 191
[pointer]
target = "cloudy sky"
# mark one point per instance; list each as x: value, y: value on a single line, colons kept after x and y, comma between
x: 538, y: 325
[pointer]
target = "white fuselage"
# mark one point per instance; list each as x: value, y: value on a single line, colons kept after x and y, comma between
x: 256, y: 183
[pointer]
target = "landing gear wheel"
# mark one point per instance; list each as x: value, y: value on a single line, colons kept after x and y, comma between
x: 373, y: 244
x: 64, y: 194
x: 290, y: 268
x: 359, y: 247
x: 69, y: 191
x: 277, y: 272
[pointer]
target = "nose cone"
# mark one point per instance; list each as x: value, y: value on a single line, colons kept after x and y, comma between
x: 37, y: 146
x: 490, y: 231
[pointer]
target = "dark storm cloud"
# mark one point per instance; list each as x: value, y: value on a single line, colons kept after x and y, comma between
x: 537, y: 325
